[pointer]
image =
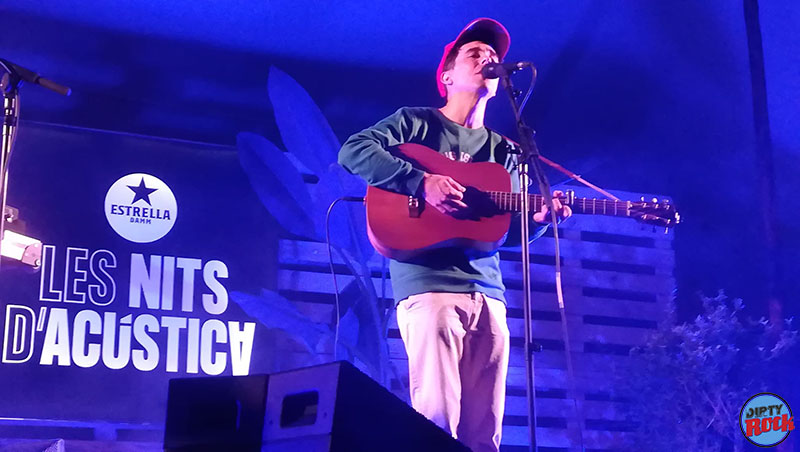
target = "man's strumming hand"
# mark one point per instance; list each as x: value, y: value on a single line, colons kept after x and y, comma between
x: 443, y: 193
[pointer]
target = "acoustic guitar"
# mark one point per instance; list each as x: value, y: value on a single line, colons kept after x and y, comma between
x: 400, y: 226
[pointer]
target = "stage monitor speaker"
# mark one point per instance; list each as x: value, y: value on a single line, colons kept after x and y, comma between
x: 336, y: 408
x: 215, y: 414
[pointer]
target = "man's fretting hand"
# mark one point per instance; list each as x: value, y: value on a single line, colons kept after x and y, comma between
x: 443, y: 193
x: 563, y: 212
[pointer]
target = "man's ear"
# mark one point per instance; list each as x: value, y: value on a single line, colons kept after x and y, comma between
x: 446, y: 79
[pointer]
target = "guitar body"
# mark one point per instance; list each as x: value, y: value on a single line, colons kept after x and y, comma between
x: 401, y: 226
x: 398, y: 232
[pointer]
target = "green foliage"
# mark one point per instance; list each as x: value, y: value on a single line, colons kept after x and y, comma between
x: 687, y: 384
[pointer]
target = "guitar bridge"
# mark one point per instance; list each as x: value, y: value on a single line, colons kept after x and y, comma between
x: 414, y: 207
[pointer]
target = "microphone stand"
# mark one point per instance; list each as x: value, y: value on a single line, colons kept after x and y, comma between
x: 10, y: 86
x: 10, y: 81
x: 529, y: 156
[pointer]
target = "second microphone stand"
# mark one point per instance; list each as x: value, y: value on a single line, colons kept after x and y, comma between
x: 12, y: 77
x: 9, y: 89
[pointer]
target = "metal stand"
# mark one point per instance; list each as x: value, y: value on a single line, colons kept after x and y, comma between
x: 12, y: 78
x: 528, y: 157
x: 10, y: 87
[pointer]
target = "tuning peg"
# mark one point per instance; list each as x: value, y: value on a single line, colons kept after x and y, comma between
x: 655, y: 200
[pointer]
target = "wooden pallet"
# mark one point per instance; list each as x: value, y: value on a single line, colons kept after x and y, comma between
x: 617, y: 278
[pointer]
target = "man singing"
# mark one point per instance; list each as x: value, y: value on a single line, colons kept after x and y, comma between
x: 451, y: 308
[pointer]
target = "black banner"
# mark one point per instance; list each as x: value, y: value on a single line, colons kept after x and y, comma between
x: 144, y: 240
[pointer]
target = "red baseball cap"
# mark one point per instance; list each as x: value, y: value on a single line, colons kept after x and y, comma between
x: 485, y: 30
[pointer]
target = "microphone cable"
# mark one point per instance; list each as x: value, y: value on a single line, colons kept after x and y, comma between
x: 530, y: 89
x: 333, y: 271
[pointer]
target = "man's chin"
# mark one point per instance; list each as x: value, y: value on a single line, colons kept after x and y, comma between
x: 488, y: 92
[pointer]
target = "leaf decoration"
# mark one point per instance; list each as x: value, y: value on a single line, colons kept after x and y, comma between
x: 313, y: 147
x: 348, y: 332
x: 278, y: 184
x: 359, y: 297
x: 304, y: 130
x: 309, y: 138
x: 274, y: 311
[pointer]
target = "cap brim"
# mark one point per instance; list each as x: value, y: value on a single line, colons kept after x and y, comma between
x: 486, y: 30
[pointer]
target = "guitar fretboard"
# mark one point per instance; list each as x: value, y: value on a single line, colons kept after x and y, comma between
x: 512, y: 202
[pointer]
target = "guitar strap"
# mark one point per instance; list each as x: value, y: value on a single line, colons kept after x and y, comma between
x: 576, y: 177
x: 569, y: 173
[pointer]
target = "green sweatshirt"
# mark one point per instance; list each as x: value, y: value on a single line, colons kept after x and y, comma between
x: 451, y: 269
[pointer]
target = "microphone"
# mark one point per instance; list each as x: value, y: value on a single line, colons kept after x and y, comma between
x: 495, y: 70
x: 29, y: 76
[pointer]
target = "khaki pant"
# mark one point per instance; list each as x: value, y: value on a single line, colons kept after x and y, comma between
x: 457, y: 346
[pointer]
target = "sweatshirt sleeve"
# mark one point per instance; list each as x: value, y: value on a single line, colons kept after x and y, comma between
x: 365, y: 154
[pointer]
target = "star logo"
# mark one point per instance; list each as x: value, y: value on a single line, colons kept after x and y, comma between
x: 149, y: 216
x: 141, y: 192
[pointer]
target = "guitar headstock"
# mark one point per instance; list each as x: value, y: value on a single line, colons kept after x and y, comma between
x: 658, y: 213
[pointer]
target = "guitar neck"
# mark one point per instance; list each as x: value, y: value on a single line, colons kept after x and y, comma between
x: 512, y: 202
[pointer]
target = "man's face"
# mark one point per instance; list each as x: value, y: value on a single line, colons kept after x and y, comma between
x: 466, y: 72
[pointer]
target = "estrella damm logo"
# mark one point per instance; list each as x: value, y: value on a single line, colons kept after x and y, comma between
x: 766, y: 419
x: 140, y: 208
